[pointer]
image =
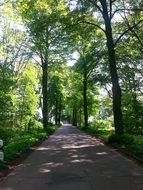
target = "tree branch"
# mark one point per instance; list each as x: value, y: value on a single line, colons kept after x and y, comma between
x: 111, y: 9
x: 123, y: 10
x: 96, y: 25
x: 38, y: 63
x: 95, y: 4
x: 133, y: 31
x: 126, y: 31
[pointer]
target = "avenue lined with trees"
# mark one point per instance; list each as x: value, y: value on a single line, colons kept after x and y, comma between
x: 101, y: 93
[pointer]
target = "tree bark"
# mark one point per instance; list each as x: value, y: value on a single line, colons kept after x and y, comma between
x: 45, y: 93
x: 85, y: 104
x: 59, y: 113
x: 74, y: 117
x: 80, y: 115
x: 56, y: 112
x: 116, y: 90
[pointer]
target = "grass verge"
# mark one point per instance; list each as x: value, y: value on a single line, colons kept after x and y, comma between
x: 21, y: 142
x: 131, y: 145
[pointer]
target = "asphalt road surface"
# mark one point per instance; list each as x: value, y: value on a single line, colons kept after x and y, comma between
x: 73, y: 160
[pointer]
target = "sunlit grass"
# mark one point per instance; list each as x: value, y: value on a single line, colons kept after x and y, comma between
x: 19, y: 142
x: 130, y: 142
x: 102, y: 131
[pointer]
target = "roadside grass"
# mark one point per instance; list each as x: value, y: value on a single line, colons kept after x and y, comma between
x: 103, y: 132
x: 133, y: 144
x: 20, y: 142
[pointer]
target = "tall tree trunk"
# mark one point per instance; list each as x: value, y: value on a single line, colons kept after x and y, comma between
x: 74, y: 117
x: 113, y: 71
x: 56, y: 112
x: 85, y: 107
x: 80, y: 113
x: 59, y: 110
x: 45, y: 94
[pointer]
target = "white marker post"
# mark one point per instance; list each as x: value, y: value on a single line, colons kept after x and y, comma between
x: 1, y: 150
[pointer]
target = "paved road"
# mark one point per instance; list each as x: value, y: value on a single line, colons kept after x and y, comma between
x: 72, y: 160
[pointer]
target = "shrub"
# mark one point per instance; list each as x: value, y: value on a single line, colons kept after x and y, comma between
x: 121, y: 139
x: 132, y: 143
x: 6, y: 134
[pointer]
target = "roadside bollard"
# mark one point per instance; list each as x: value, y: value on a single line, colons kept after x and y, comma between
x: 1, y: 150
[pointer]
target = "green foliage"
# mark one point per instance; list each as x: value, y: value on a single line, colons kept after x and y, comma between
x: 52, y: 128
x: 51, y: 30
x: 137, y: 148
x: 57, y: 89
x: 14, y: 148
x: 6, y: 134
x: 6, y: 83
x: 74, y: 99
x: 133, y: 143
x: 100, y: 129
x: 121, y: 139
x: 132, y: 114
x: 27, y: 97
x: 21, y: 141
x: 3, y: 165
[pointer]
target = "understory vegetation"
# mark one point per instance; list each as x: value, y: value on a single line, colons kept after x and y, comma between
x: 130, y: 144
x: 17, y: 142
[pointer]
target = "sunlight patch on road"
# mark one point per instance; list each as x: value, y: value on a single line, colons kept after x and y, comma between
x: 44, y: 170
x: 47, y: 167
x: 76, y: 146
x: 82, y: 160
x: 101, y: 153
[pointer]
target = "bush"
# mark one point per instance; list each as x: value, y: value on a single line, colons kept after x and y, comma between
x: 133, y: 143
x: 51, y: 128
x: 121, y: 139
x: 132, y: 114
x: 22, y: 141
x: 21, y: 144
x: 6, y: 134
x: 3, y: 164
x: 103, y: 132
